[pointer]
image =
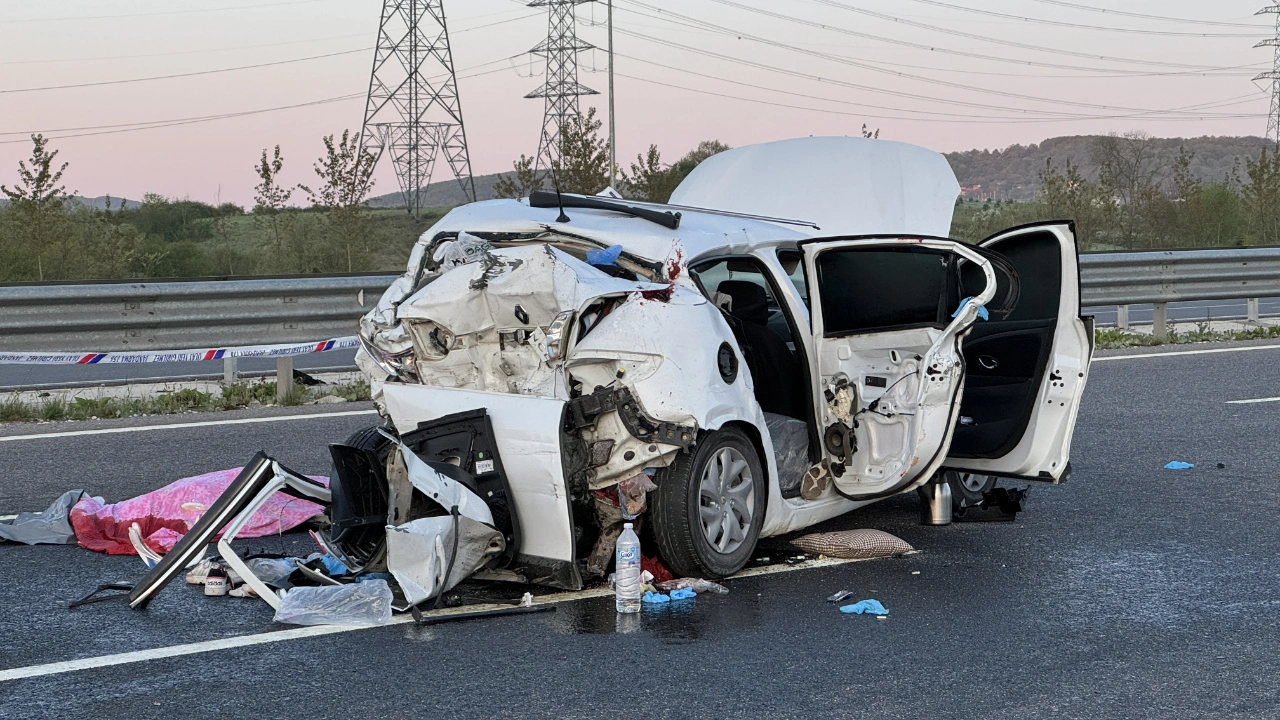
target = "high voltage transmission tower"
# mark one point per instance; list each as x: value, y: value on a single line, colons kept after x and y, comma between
x: 413, y: 112
x: 1273, y: 120
x: 561, y: 90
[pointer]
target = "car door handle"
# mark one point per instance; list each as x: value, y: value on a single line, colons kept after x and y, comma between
x: 987, y: 362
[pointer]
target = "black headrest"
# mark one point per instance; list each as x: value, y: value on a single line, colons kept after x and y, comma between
x: 750, y: 302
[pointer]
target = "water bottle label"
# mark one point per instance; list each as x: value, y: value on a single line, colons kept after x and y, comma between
x: 628, y: 554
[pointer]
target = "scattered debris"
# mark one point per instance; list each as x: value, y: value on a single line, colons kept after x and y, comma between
x: 682, y: 594
x: 865, y: 607
x: 652, y: 598
x: 1179, y: 465
x: 842, y: 595
x: 697, y: 585
x: 364, y: 604
x: 50, y: 527
x: 854, y: 544
x: 998, y: 505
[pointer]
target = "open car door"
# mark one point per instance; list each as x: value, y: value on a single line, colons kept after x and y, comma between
x: 888, y: 319
x: 1026, y: 372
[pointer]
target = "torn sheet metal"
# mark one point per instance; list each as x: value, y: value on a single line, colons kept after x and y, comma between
x: 527, y: 433
x: 419, y: 552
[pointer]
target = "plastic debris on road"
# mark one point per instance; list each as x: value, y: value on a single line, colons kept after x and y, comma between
x: 652, y: 598
x: 1179, y: 465
x: 682, y: 594
x: 854, y: 544
x: 842, y: 595
x: 865, y: 607
x: 50, y: 527
x: 165, y: 515
x: 698, y: 585
x: 363, y: 604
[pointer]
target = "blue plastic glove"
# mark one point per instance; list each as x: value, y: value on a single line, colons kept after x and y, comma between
x: 1178, y: 465
x: 608, y: 256
x: 682, y: 594
x: 655, y: 598
x: 982, y: 309
x: 865, y: 607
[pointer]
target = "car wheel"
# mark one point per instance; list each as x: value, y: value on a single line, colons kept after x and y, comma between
x: 709, y: 507
x: 370, y: 439
x: 967, y: 489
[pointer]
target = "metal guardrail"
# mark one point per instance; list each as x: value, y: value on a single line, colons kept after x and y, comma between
x: 191, y: 314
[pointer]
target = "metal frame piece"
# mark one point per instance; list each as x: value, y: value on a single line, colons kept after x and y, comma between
x: 413, y: 111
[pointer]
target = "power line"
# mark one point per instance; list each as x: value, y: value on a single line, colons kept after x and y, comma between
x: 182, y: 75
x: 919, y: 78
x: 156, y: 124
x: 962, y: 53
x: 179, y: 52
x: 162, y: 12
x: 1230, y: 70
x: 1162, y: 18
x: 1060, y: 23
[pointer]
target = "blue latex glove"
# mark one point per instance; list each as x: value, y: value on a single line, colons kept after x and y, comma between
x: 982, y: 309
x: 682, y: 594
x: 865, y: 607
x: 608, y: 256
x: 655, y: 598
x: 1178, y: 465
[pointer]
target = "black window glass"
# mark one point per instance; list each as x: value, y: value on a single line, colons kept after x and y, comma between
x: 866, y: 289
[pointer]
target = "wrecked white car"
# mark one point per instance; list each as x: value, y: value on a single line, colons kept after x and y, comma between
x: 791, y: 339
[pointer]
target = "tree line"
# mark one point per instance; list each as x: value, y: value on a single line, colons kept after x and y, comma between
x: 1136, y: 200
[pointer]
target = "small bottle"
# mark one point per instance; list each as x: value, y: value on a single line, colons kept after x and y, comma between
x: 627, y: 571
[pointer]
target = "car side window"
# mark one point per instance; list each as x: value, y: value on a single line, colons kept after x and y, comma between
x: 792, y: 262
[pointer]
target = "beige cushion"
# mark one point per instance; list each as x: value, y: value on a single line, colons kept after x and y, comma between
x: 853, y: 544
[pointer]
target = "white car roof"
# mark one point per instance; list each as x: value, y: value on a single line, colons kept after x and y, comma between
x: 699, y: 232
x: 845, y: 185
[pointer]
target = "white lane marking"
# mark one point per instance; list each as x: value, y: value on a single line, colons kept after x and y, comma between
x: 1186, y: 352
x: 7, y: 518
x: 58, y: 668
x: 1255, y: 400
x: 179, y: 426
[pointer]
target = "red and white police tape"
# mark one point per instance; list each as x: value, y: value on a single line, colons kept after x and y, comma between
x: 109, y: 358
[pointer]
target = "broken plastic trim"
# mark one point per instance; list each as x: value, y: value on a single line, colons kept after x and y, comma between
x: 585, y: 409
x: 545, y: 199
x: 256, y: 483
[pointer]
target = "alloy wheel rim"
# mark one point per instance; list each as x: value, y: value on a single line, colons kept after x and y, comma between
x: 726, y: 500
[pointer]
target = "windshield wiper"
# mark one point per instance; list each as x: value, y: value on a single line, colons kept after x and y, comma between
x: 547, y: 199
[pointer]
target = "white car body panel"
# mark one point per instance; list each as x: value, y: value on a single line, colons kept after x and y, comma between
x: 846, y: 186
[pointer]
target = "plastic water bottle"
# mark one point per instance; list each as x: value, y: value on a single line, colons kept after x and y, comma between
x: 627, y: 572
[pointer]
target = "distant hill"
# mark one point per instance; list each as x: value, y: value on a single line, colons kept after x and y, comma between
x: 1013, y: 173
x: 97, y: 203
x: 443, y: 192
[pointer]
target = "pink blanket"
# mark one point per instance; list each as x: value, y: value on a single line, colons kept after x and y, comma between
x: 165, y: 515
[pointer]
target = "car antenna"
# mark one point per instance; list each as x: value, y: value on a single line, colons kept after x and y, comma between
x: 555, y: 179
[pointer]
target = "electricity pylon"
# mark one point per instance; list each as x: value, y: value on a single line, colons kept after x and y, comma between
x: 561, y: 89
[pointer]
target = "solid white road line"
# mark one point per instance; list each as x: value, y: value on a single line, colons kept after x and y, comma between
x: 180, y: 426
x: 1213, y: 351
x: 1254, y: 401
x: 58, y: 668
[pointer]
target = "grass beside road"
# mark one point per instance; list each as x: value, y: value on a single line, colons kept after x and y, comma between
x: 1112, y: 338
x: 232, y: 397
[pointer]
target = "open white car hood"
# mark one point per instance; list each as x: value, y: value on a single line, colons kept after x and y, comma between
x: 847, y: 186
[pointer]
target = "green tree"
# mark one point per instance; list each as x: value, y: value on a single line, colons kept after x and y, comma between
x: 649, y: 179
x: 521, y: 182
x: 1068, y: 194
x: 582, y: 166
x: 38, y: 228
x: 270, y: 200
x: 346, y: 172
x: 1262, y: 197
x: 1129, y: 170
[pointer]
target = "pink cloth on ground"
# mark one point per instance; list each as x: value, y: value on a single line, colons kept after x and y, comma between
x: 165, y: 515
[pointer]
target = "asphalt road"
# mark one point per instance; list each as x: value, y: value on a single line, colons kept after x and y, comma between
x: 1130, y: 591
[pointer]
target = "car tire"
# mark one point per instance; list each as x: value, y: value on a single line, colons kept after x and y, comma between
x: 370, y: 439
x: 967, y: 489
x: 709, y: 507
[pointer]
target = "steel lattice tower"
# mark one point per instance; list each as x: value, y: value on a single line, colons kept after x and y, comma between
x: 1273, y: 120
x: 413, y: 112
x: 561, y: 90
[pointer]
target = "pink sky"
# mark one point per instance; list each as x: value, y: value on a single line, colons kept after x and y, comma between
x: 76, y: 42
